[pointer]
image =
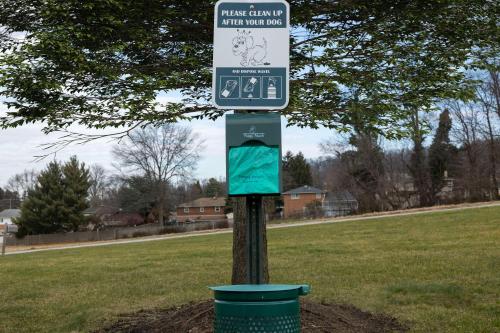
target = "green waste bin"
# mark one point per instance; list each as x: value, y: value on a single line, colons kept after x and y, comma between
x: 266, y: 308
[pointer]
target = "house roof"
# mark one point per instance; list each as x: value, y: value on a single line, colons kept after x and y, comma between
x: 10, y: 213
x: 205, y: 202
x: 305, y: 189
x: 340, y: 196
x: 101, y: 210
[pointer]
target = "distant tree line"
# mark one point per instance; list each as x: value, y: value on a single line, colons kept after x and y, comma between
x: 135, y: 194
x: 8, y: 199
x: 459, y: 164
x: 16, y: 189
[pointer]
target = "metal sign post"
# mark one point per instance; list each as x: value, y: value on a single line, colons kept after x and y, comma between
x: 251, y: 72
x: 253, y: 170
x: 255, y: 241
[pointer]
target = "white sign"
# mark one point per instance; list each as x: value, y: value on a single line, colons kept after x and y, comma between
x: 251, y: 54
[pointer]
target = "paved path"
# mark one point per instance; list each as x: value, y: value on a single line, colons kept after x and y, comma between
x: 271, y: 226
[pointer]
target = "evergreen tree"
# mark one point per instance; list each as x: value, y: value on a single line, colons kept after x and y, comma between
x: 195, y: 191
x: 43, y: 211
x: 57, y: 201
x: 296, y: 171
x: 76, y: 182
x: 440, y: 152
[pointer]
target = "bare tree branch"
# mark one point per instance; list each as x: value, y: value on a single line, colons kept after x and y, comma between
x: 162, y: 154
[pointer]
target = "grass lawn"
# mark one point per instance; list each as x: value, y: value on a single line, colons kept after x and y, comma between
x: 440, y: 272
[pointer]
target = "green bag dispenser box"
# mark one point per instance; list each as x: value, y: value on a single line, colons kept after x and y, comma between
x: 253, y: 154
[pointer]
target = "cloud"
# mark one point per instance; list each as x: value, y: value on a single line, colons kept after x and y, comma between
x: 19, y: 146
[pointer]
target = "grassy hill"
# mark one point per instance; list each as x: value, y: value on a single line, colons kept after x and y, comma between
x: 439, y: 272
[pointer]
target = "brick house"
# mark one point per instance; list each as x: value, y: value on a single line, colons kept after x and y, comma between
x: 203, y: 209
x: 296, y: 201
x: 101, y: 212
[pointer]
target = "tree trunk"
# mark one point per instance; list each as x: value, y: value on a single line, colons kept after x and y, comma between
x: 418, y: 167
x: 240, y: 269
x: 495, y: 89
x: 493, y: 162
x: 161, y: 204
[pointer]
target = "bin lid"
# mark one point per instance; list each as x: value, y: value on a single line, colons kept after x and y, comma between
x: 259, y: 292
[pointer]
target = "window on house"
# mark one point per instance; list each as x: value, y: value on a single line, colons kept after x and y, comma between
x: 186, y: 210
x: 295, y: 196
x: 202, y: 209
x: 318, y: 195
x: 217, y: 209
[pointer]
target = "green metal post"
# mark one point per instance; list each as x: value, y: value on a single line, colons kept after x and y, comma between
x: 254, y: 239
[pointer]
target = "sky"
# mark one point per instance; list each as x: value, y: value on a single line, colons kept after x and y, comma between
x: 20, y: 146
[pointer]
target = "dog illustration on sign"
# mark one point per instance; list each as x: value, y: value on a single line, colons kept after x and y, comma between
x: 251, y: 54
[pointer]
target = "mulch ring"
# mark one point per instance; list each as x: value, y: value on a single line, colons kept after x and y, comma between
x: 198, y: 318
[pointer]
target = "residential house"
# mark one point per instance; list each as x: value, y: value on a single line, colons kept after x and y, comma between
x: 121, y: 219
x: 203, y: 209
x: 297, y: 201
x: 7, y: 215
x: 340, y: 203
x: 101, y: 212
x: 401, y: 192
x: 313, y: 202
x: 98, y: 215
x: 449, y: 189
x: 109, y: 216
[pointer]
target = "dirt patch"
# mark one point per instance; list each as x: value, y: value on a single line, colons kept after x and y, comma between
x: 198, y: 318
